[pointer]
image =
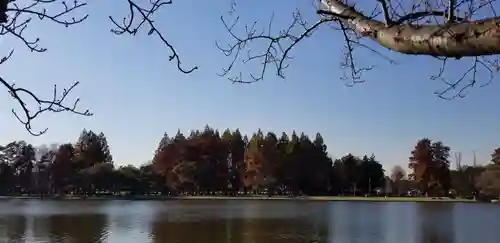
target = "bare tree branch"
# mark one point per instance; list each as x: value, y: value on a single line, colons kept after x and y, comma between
x: 277, y: 50
x: 385, y: 11
x: 451, y: 11
x: 15, y: 17
x: 442, y: 29
x: 458, y: 87
x: 279, y: 46
x: 133, y: 24
x: 419, y: 15
x: 56, y: 104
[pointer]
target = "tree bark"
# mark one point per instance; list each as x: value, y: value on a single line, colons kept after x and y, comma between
x: 3, y: 11
x: 473, y: 38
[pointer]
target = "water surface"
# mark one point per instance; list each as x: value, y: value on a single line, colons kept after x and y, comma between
x: 238, y: 221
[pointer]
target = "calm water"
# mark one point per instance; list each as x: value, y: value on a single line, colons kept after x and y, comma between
x: 247, y: 222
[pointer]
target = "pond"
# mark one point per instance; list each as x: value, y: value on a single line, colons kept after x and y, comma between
x: 252, y: 221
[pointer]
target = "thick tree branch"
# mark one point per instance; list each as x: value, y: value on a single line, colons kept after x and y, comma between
x: 474, y: 38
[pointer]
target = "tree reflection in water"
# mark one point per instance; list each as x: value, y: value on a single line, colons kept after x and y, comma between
x: 248, y: 222
x: 237, y: 230
x: 13, y: 228
x: 83, y: 228
x: 436, y: 223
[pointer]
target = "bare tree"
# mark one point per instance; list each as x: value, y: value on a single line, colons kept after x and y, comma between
x: 398, y: 173
x: 442, y: 29
x: 15, y: 17
x: 489, y: 181
x: 398, y: 176
x: 458, y: 161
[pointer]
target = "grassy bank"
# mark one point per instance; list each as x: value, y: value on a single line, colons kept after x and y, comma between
x: 313, y: 198
x: 331, y: 198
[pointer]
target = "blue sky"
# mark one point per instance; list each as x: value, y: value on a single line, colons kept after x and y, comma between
x: 137, y: 95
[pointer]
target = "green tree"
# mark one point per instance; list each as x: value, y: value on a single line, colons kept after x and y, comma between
x: 253, y: 172
x: 489, y: 181
x: 398, y: 176
x: 465, y: 180
x: 420, y: 160
x: 167, y: 157
x: 371, y: 174
x: 7, y: 173
x: 179, y: 136
x: 101, y: 177
x: 324, y: 165
x: 165, y: 140
x: 93, y: 163
x: 106, y: 154
x: 430, y: 164
x: 90, y: 150
x: 495, y: 156
x: 131, y: 179
x: 238, y: 147
x: 235, y: 147
x: 155, y: 182
x: 347, y: 168
x: 21, y: 157
x: 270, y: 156
x: 63, y: 170
x: 281, y: 173
x: 213, y: 170
x: 292, y: 165
x: 441, y: 155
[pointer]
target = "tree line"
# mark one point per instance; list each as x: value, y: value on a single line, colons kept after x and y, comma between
x: 207, y: 162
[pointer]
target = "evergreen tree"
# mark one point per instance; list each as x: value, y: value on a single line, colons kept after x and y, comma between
x: 421, y: 160
x: 441, y: 155
x: 253, y: 174
x: 238, y: 159
x: 165, y: 140
x: 430, y: 164
x: 63, y: 169
x: 106, y: 153
x: 270, y: 157
x: 489, y: 180
x: 372, y: 174
x: 351, y: 165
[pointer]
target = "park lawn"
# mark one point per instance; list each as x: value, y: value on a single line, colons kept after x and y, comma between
x: 389, y: 199
x: 257, y: 197
x: 330, y: 198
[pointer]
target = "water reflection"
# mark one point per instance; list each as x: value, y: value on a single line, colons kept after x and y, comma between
x: 12, y: 228
x: 358, y: 222
x: 229, y: 227
x: 84, y: 228
x: 236, y: 230
x: 247, y: 222
x: 436, y: 223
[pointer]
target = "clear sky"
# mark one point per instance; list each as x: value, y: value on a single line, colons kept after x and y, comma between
x: 137, y: 95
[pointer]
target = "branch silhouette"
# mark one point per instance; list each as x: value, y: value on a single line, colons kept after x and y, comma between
x: 442, y: 29
x: 15, y: 17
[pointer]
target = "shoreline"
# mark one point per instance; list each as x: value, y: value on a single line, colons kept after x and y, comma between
x: 274, y: 198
